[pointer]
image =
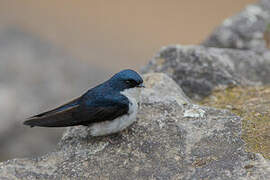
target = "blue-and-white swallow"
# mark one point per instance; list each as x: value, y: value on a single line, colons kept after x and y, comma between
x: 107, y: 108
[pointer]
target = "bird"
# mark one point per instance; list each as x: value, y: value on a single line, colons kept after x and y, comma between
x: 108, y: 108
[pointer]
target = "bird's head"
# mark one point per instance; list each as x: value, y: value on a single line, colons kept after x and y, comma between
x: 126, y: 79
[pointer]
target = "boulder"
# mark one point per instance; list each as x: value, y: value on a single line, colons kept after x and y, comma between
x: 171, y: 139
x: 198, y: 69
x: 248, y: 29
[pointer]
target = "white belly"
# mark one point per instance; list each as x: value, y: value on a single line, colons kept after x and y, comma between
x: 122, y: 122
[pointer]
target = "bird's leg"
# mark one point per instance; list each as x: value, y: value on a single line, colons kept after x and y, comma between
x: 113, y: 139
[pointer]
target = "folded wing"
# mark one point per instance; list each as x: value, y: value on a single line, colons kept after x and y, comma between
x: 58, y: 117
x: 77, y: 112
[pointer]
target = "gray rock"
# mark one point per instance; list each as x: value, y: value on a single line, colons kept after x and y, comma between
x: 198, y: 69
x: 172, y: 139
x: 35, y: 76
x: 244, y: 30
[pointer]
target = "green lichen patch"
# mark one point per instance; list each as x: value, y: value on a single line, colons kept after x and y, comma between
x: 253, y: 105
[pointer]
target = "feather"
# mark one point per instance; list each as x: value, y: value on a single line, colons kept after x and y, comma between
x: 58, y: 117
x: 78, y: 112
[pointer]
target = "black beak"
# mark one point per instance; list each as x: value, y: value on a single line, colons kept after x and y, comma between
x: 141, y: 85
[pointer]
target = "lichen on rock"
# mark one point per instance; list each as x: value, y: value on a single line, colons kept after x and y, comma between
x: 252, y: 104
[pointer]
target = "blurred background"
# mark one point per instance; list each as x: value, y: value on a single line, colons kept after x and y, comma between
x: 52, y: 51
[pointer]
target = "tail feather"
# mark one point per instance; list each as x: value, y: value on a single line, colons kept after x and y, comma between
x: 59, y: 117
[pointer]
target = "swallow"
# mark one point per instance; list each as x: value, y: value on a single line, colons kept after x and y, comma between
x: 106, y: 109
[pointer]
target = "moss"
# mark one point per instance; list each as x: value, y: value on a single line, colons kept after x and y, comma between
x: 253, y: 105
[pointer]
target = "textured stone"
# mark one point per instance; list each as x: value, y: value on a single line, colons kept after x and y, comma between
x: 198, y: 70
x: 251, y: 103
x: 246, y: 30
x: 168, y: 141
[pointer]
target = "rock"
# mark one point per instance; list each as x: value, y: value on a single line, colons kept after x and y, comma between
x: 198, y: 70
x: 246, y: 30
x: 35, y: 76
x: 252, y: 104
x: 172, y: 139
x: 249, y: 64
x: 162, y: 88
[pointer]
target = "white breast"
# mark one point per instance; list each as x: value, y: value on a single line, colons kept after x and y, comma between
x: 122, y: 122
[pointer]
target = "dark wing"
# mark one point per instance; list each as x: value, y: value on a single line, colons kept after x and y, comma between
x: 81, y: 111
x: 58, y: 117
x: 101, y: 110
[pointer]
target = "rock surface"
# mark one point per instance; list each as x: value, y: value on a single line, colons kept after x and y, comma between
x: 172, y: 139
x: 35, y: 76
x: 198, y: 70
x: 252, y: 103
x: 248, y: 29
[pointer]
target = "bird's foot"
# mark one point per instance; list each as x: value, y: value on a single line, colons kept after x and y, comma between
x: 113, y: 142
x: 114, y: 139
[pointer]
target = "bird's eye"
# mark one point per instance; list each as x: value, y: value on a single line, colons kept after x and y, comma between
x: 130, y: 82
